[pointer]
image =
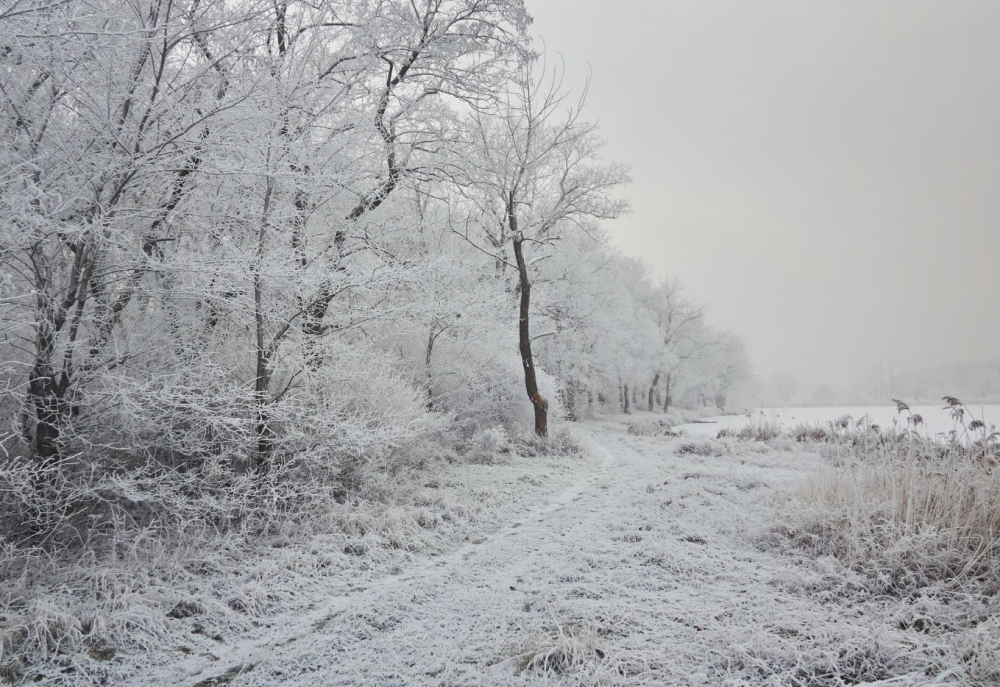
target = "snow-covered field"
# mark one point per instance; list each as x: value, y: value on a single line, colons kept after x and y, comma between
x: 650, y: 560
x: 936, y: 419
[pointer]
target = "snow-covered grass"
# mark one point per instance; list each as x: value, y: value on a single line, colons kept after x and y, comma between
x: 656, y: 423
x: 912, y: 522
x: 663, y: 565
x: 758, y: 427
x: 937, y: 419
x: 908, y: 508
x: 918, y: 521
x: 84, y: 613
x: 645, y: 559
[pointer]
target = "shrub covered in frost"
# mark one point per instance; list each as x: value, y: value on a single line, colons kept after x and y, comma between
x: 487, y: 445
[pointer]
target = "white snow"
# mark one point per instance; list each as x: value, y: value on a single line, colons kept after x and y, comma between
x: 936, y: 418
x: 649, y: 564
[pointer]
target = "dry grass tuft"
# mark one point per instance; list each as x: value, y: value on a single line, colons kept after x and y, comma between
x: 651, y: 428
x: 568, y: 647
x: 759, y: 428
x: 911, y: 520
x: 560, y: 442
x: 908, y: 511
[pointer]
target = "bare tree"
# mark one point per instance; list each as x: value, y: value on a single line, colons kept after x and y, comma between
x: 682, y: 327
x: 537, y: 175
x: 885, y: 381
x: 786, y: 386
x: 106, y: 110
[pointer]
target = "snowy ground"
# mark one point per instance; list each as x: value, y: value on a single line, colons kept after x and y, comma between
x: 936, y: 419
x: 647, y: 565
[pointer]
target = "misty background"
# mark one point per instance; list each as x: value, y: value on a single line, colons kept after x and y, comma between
x: 824, y: 175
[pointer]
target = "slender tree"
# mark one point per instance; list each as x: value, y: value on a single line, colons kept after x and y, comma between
x: 536, y: 175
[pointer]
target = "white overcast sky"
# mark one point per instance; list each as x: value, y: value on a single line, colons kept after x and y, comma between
x: 825, y: 176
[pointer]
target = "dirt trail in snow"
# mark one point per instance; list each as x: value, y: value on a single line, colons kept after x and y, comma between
x: 642, y: 572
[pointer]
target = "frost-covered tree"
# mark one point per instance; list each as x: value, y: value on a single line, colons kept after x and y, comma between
x: 253, y: 245
x: 536, y: 174
x: 593, y: 302
x: 203, y: 180
x: 683, y: 335
x: 785, y: 386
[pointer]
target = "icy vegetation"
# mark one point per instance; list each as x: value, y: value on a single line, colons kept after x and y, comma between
x: 317, y: 366
x: 289, y: 293
x: 617, y: 552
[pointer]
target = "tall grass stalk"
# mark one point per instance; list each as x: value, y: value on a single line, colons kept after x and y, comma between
x: 910, y: 510
x: 919, y: 521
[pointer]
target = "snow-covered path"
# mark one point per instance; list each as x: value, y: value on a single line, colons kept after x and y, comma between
x: 645, y: 571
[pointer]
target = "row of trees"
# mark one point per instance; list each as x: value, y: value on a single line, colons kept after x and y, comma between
x: 245, y: 234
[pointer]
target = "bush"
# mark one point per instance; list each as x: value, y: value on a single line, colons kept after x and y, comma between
x: 162, y: 471
x: 560, y: 442
x: 759, y: 428
x: 484, y: 387
x: 701, y: 448
x: 487, y: 445
x: 650, y: 428
x: 806, y: 433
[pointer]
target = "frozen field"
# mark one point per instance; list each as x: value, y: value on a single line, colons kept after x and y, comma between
x: 652, y: 561
x: 936, y: 420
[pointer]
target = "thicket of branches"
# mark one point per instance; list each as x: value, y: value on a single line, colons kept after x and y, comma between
x: 289, y: 239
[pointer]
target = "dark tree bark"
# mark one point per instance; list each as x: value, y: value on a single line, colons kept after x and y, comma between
x: 262, y: 372
x: 47, y: 398
x: 431, y: 338
x: 47, y: 387
x: 625, y: 396
x: 540, y: 405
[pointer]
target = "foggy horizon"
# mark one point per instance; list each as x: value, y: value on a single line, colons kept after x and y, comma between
x: 822, y: 177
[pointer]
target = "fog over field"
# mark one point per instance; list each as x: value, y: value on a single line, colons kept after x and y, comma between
x: 822, y: 175
x: 499, y: 342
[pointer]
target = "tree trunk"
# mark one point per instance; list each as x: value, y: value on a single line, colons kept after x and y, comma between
x: 47, y: 400
x: 47, y: 388
x: 540, y: 405
x: 427, y: 366
x: 262, y: 372
x: 720, y: 400
x: 653, y: 390
x: 625, y: 396
x: 666, y: 395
